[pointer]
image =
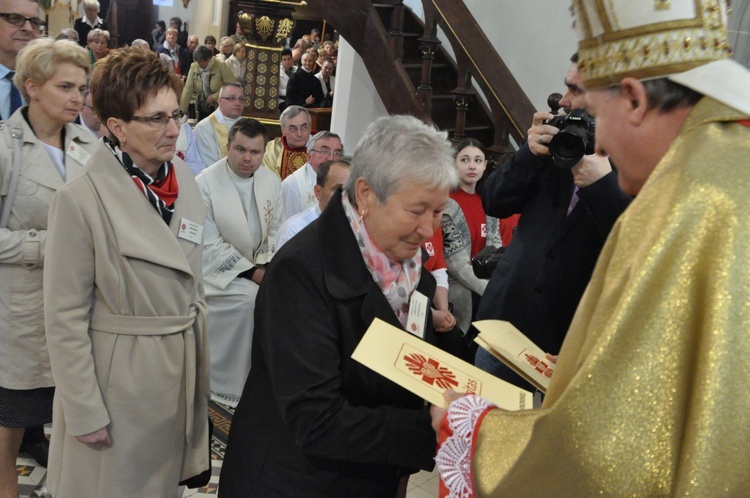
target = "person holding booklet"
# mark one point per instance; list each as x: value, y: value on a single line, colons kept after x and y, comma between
x: 312, y: 421
x: 646, y: 398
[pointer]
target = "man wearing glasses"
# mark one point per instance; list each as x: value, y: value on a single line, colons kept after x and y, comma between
x: 19, y: 25
x: 211, y: 133
x: 288, y: 153
x: 298, y: 189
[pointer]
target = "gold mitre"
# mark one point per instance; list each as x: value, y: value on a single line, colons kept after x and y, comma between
x: 647, y: 39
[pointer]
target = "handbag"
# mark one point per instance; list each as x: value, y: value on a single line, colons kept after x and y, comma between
x: 486, y: 260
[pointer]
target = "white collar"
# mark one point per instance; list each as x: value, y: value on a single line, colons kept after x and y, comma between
x: 86, y: 20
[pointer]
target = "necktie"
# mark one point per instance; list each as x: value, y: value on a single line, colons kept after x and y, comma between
x: 15, y: 96
x: 573, y: 200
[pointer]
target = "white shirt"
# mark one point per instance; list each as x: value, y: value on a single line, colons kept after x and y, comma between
x: 331, y: 80
x: 187, y: 149
x: 284, y: 80
x: 296, y: 223
x: 298, y: 191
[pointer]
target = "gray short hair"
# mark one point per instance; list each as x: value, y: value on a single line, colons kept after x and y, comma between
x: 320, y: 136
x: 226, y: 85
x: 202, y: 53
x: 291, y: 112
x: 399, y: 149
x: 91, y: 3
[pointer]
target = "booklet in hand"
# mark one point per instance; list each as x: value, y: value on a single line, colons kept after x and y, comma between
x: 428, y: 371
x: 509, y: 345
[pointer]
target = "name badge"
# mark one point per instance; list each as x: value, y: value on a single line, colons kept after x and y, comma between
x: 418, y: 308
x: 78, y: 153
x: 190, y: 230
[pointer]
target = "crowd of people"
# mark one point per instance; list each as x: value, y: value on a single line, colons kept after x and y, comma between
x: 310, y: 66
x: 148, y: 267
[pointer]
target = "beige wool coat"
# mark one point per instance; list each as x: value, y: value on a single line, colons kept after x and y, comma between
x: 24, y: 361
x: 125, y: 320
x: 219, y: 75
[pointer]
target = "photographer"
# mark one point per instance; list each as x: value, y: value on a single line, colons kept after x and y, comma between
x: 567, y: 214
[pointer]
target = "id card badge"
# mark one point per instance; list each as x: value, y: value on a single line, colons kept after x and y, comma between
x: 78, y: 153
x: 190, y: 230
x: 419, y: 306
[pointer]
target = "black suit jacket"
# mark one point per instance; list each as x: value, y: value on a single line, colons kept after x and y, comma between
x: 542, y: 275
x: 313, y: 422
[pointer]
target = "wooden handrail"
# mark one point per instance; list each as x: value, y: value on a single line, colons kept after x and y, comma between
x: 358, y: 22
x: 487, y: 68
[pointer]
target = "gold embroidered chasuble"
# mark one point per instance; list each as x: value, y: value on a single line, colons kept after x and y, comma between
x: 649, y: 395
x: 222, y: 134
x: 283, y: 159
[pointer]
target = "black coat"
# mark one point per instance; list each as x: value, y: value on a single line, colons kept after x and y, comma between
x: 311, y: 421
x: 301, y: 85
x: 542, y: 275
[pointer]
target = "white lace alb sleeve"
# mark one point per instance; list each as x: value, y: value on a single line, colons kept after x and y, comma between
x: 454, y: 456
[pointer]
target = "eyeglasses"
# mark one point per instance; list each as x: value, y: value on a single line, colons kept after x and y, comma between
x: 161, y: 120
x: 232, y: 99
x: 19, y: 20
x: 295, y: 129
x: 328, y: 152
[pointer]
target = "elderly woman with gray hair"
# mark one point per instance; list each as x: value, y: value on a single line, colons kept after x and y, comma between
x: 311, y: 420
x: 89, y: 21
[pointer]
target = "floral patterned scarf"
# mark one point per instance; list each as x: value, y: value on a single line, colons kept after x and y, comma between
x: 397, y: 280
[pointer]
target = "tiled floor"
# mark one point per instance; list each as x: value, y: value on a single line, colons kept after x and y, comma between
x: 423, y: 485
x: 32, y: 480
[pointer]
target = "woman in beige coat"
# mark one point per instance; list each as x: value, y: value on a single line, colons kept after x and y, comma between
x: 204, y: 81
x: 125, y: 313
x: 51, y: 76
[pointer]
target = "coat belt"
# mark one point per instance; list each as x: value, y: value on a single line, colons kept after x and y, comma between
x: 192, y: 326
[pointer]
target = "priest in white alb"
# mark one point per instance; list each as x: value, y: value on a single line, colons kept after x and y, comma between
x: 244, y: 215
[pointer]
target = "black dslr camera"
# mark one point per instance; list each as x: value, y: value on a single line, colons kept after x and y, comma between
x: 575, y: 139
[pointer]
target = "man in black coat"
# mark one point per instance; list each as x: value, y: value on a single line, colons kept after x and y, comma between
x: 567, y: 214
x: 304, y: 88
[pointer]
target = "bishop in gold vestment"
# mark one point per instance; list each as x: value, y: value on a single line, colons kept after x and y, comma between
x: 648, y: 397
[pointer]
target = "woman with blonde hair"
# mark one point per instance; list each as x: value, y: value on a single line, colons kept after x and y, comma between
x: 238, y: 62
x: 40, y: 149
x: 97, y: 43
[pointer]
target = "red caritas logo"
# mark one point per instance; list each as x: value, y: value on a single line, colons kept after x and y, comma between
x: 431, y: 371
x: 540, y: 366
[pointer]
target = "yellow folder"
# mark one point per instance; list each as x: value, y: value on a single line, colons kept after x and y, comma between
x: 428, y: 371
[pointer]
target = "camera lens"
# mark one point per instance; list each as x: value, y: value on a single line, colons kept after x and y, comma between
x: 568, y: 147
